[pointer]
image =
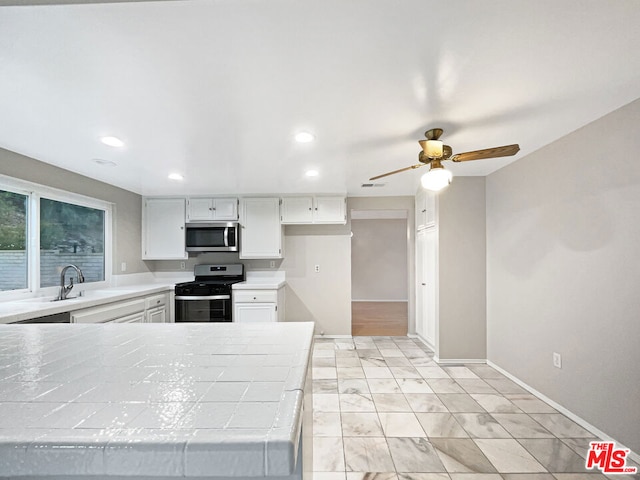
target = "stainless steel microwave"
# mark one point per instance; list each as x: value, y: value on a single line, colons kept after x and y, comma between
x: 212, y: 237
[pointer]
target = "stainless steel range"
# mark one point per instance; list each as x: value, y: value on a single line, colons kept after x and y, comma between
x: 208, y: 297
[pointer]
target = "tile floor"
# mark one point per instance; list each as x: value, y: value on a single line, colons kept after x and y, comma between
x: 384, y: 410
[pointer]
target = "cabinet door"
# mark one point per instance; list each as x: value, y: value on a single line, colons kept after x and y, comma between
x: 225, y: 209
x: 200, y: 209
x: 261, y: 230
x: 329, y: 210
x: 297, y: 210
x: 135, y: 318
x: 163, y: 229
x: 157, y: 315
x: 254, y: 312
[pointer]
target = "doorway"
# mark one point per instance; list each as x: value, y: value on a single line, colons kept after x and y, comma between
x: 379, y: 273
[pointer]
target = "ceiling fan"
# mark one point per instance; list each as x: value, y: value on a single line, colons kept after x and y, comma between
x: 434, y: 151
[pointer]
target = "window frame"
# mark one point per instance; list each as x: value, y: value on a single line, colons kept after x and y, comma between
x: 34, y: 193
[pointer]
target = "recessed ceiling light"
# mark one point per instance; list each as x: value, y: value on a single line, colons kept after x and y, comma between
x: 112, y: 141
x: 311, y: 173
x: 104, y: 163
x: 175, y: 176
x: 304, y: 137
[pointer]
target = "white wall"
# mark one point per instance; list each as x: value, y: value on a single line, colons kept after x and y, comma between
x: 379, y: 260
x: 563, y: 238
x: 127, y: 208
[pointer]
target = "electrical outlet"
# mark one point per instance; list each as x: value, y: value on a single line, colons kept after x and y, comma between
x: 272, y: 264
x: 317, y: 268
x: 123, y: 267
x: 183, y: 265
x: 557, y: 360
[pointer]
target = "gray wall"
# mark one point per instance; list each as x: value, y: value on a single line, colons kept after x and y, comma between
x: 461, y: 332
x: 323, y: 297
x: 563, y: 272
x: 379, y: 260
x: 126, y: 211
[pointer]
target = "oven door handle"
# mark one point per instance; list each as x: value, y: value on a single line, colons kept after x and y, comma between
x: 205, y: 297
x: 226, y: 236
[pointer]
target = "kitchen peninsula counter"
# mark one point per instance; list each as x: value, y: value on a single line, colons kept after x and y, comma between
x: 147, y: 401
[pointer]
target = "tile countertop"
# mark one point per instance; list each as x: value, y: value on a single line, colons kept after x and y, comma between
x: 15, y: 311
x: 176, y: 400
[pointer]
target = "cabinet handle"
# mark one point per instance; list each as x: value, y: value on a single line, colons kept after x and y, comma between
x: 309, y: 208
x: 424, y: 284
x: 424, y: 210
x: 255, y: 298
x: 316, y: 209
x: 181, y: 228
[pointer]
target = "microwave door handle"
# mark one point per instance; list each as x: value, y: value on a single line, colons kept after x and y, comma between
x: 226, y: 236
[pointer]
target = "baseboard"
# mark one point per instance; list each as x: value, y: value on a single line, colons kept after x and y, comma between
x: 579, y: 420
x: 332, y: 336
x: 445, y: 361
x: 423, y: 340
x: 353, y: 300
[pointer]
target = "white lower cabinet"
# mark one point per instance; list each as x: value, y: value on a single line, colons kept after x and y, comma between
x: 257, y: 306
x: 157, y: 315
x: 255, y: 313
x: 135, y: 318
x: 150, y: 309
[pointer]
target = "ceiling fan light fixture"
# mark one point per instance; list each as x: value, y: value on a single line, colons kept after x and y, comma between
x: 433, y: 148
x: 436, y: 179
x: 305, y: 137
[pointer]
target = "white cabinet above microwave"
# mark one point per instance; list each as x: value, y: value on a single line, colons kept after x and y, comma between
x: 208, y: 209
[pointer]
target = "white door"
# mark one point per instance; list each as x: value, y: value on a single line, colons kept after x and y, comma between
x: 255, y: 313
x: 426, y: 277
x: 430, y: 279
x: 163, y: 229
x: 261, y: 230
x: 297, y: 210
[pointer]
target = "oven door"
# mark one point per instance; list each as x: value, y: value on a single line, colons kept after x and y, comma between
x: 211, y: 308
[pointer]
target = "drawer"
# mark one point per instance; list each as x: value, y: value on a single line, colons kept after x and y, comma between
x: 156, y: 301
x: 255, y: 296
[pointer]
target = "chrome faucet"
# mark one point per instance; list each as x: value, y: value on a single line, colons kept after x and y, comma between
x: 65, y: 289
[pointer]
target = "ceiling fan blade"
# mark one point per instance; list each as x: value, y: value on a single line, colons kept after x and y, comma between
x: 412, y: 167
x: 504, y: 151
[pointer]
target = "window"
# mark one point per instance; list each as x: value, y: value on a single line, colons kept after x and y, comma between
x: 70, y: 234
x: 42, y: 230
x: 13, y: 241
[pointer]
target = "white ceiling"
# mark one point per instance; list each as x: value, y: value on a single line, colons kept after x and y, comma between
x: 216, y: 89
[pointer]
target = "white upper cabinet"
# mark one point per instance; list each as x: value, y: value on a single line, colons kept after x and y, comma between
x: 425, y: 209
x: 330, y: 210
x: 297, y: 210
x: 309, y: 210
x: 261, y: 232
x: 211, y: 209
x: 163, y: 236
